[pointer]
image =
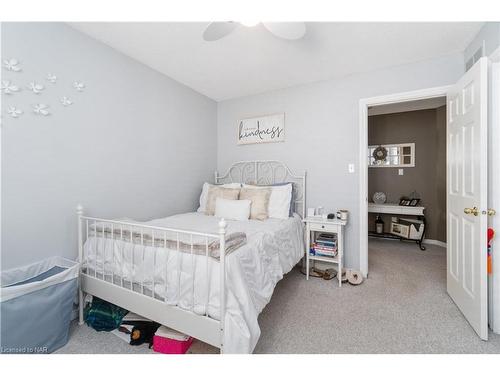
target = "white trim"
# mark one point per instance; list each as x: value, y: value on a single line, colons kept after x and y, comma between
x: 494, y: 185
x: 432, y: 92
x: 495, y: 56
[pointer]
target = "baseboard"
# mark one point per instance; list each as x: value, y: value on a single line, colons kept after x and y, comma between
x: 429, y: 241
x: 426, y: 241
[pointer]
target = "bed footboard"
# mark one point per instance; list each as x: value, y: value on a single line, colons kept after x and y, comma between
x: 113, y: 287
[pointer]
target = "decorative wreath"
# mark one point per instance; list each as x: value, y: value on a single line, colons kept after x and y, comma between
x: 380, y: 153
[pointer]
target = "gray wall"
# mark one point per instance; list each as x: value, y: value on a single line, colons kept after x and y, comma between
x: 489, y: 34
x: 427, y: 129
x: 134, y: 143
x: 322, y: 130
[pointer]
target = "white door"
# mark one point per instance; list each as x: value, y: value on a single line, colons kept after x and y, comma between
x: 467, y: 196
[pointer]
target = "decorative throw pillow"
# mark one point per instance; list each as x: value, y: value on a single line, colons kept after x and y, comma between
x: 280, y: 199
x: 292, y: 189
x: 232, y: 209
x: 204, y: 193
x: 260, y: 202
x: 215, y: 192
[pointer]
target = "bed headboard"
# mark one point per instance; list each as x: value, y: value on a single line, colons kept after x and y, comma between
x: 267, y: 172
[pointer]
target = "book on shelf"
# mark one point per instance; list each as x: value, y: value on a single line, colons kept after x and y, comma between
x: 326, y: 243
x: 327, y: 240
x: 332, y: 253
x: 327, y: 236
x: 322, y: 247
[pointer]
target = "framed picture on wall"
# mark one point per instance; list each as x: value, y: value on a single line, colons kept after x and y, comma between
x: 265, y: 129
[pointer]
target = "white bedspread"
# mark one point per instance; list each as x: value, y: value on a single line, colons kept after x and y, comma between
x: 273, y: 247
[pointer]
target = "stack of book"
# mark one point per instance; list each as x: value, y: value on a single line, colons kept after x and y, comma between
x: 325, y: 245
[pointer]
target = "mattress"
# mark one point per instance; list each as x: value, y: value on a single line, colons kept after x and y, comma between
x: 272, y: 248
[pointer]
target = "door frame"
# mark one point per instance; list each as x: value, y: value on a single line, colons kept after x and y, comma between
x: 406, y: 96
x: 494, y: 184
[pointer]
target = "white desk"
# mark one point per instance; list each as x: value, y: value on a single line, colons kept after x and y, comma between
x: 396, y: 209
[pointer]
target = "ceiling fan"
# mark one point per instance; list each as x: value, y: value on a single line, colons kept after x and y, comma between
x: 284, y: 30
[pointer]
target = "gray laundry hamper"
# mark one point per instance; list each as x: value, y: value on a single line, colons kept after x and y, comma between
x: 36, y: 304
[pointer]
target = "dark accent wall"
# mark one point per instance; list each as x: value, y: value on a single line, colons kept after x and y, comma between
x: 427, y: 129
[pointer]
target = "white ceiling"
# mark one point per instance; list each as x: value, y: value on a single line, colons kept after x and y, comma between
x: 251, y: 60
x: 413, y: 105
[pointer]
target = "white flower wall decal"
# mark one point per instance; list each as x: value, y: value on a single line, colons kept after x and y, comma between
x: 14, y: 112
x: 36, y: 87
x: 51, y: 78
x: 8, y: 87
x: 41, y: 109
x: 79, y: 86
x: 12, y: 65
x: 65, y: 101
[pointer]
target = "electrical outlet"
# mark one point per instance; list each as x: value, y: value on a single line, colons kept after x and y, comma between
x: 401, y: 171
x: 351, y: 168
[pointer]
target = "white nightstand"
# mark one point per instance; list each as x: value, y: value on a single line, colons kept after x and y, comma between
x: 316, y: 225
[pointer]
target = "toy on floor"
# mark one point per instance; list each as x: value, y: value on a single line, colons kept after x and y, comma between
x: 491, y: 235
x: 142, y: 332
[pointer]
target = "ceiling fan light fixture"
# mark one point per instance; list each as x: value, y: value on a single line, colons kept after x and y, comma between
x: 250, y: 23
x: 283, y: 30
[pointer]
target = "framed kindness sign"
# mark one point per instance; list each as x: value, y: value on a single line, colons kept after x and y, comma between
x: 263, y: 129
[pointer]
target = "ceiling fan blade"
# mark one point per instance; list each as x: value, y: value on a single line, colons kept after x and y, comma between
x: 218, y: 30
x: 286, y: 30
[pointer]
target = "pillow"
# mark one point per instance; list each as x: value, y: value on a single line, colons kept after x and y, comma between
x: 215, y: 192
x: 260, y: 202
x: 280, y: 201
x: 204, y: 193
x: 232, y: 209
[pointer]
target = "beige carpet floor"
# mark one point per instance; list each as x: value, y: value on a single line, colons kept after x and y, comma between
x: 401, y: 308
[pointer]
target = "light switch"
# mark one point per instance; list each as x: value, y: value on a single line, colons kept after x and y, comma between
x: 401, y: 171
x: 351, y: 168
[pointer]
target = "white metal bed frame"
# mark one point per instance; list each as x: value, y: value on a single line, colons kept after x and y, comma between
x: 202, y: 327
x: 267, y: 172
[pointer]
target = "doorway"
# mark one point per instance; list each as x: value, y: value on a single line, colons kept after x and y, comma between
x: 365, y: 104
x: 407, y: 172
